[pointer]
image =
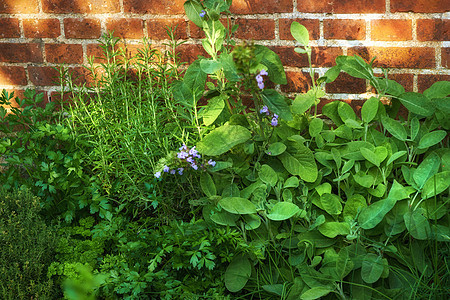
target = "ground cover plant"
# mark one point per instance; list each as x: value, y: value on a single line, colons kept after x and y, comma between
x: 164, y: 181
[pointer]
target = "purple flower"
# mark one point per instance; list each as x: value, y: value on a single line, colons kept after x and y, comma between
x: 261, y: 85
x: 190, y: 159
x: 193, y: 152
x: 166, y: 169
x: 259, y: 78
x: 194, y: 166
x: 265, y: 110
x: 274, y: 121
x: 158, y: 174
x: 180, y: 171
x: 172, y: 172
x: 182, y: 155
x: 202, y: 14
x: 211, y: 162
x: 263, y: 72
x: 184, y: 147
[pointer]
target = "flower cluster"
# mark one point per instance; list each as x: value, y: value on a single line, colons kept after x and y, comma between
x: 265, y: 110
x: 189, y: 157
x: 202, y: 14
x: 260, y: 79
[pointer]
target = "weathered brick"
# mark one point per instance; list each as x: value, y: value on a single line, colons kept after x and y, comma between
x: 397, y: 57
x: 64, y: 53
x: 41, y: 28
x: 345, y: 83
x: 80, y: 28
x: 261, y: 6
x: 12, y: 75
x: 20, y: 53
x: 253, y: 29
x: 391, y: 30
x: 433, y: 30
x: 195, y: 31
x: 297, y: 82
x: 445, y: 57
x: 342, y: 6
x: 424, y: 81
x: 43, y: 76
x: 9, y: 28
x: 81, y: 76
x: 164, y: 7
x: 189, y: 53
x: 80, y: 6
x: 320, y: 57
x: 311, y: 25
x: 19, y: 6
x: 94, y: 50
x: 157, y: 28
x: 344, y: 29
x: 406, y: 80
x: 129, y: 28
x: 420, y: 6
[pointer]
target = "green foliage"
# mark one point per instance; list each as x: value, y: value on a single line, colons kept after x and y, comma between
x: 26, y: 248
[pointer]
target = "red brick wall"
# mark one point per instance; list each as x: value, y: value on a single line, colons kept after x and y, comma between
x: 409, y: 37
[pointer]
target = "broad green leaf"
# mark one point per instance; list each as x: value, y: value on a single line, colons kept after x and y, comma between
x: 394, y: 127
x: 365, y: 180
x: 376, y: 157
x: 440, y: 89
x: 436, y: 184
x: 237, y: 205
x: 333, y: 229
x: 432, y: 138
x: 273, y: 63
x: 332, y: 73
x: 283, y: 211
x: 213, y: 109
x: 276, y: 104
x: 324, y: 188
x: 353, y: 204
x: 395, y: 156
x: 300, y: 33
x: 344, y: 264
x: 307, y: 167
x: 224, y: 218
x: 378, y: 191
x: 229, y: 68
x: 194, y: 78
x: 276, y: 149
x: 369, y: 109
x: 290, y: 163
x: 353, y: 67
x: 291, y: 182
x: 388, y: 86
x: 372, y: 268
x: 222, y: 139
x: 348, y: 165
x: 231, y: 190
x: 275, y: 289
x: 268, y: 175
x: 193, y: 10
x: 315, y: 127
x: 331, y: 203
x: 303, y: 102
x: 417, y: 224
x: 417, y: 103
x: 415, y: 126
x: 346, y: 112
x: 210, y: 66
x: 331, y: 111
x: 427, y: 168
x: 316, y: 293
x: 237, y: 274
x: 207, y: 184
x: 251, y: 222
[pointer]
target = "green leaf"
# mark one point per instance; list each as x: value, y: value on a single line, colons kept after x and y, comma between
x: 353, y: 67
x: 210, y: 66
x: 229, y: 68
x: 194, y: 78
x: 315, y: 293
x: 237, y: 274
x: 331, y: 111
x: 237, y: 205
x: 251, y: 222
x: 268, y: 175
x: 395, y: 156
x: 303, y: 102
x: 222, y: 139
x: 432, y: 138
x: 394, y: 127
x: 415, y: 127
x: 436, y: 185
x: 440, y: 89
x: 344, y: 265
x: 315, y: 127
x: 307, y: 168
x: 291, y: 182
x: 417, y: 103
x: 276, y: 104
x: 224, y: 218
x: 346, y: 112
x: 283, y: 211
x: 213, y: 109
x: 427, y: 168
x: 417, y: 224
x: 376, y: 157
x: 207, y: 184
x: 353, y: 204
x: 333, y: 229
x: 332, y: 73
x: 369, y: 109
x: 388, y: 86
x: 273, y: 63
x: 300, y: 33
x: 193, y: 10
x: 276, y: 149
x: 372, y: 268
x: 331, y: 203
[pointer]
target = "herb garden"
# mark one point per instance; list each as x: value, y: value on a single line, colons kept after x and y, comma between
x: 162, y: 180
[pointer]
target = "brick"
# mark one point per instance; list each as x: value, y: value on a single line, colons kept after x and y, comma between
x: 129, y: 28
x: 261, y: 6
x: 195, y: 31
x: 80, y: 6
x: 81, y: 75
x: 445, y: 59
x: 342, y: 6
x: 424, y: 81
x: 297, y: 82
x: 391, y: 30
x: 19, y: 6
x: 163, y: 7
x: 157, y: 28
x: 433, y: 30
x: 336, y: 29
x: 9, y: 28
x: 406, y: 80
x: 253, y: 29
x: 189, y: 53
x: 420, y: 6
x: 41, y: 28
x: 311, y: 25
x: 320, y: 57
x: 397, y: 57
x: 64, y: 53
x: 80, y: 28
x: 13, y: 75
x: 345, y: 83
x: 43, y: 76
x: 20, y: 53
